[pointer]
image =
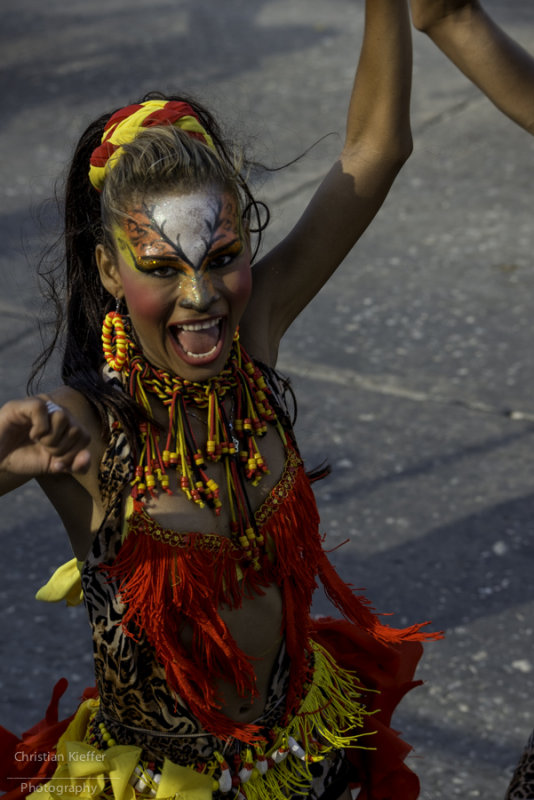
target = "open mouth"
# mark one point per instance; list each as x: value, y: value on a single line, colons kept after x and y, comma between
x: 199, y: 341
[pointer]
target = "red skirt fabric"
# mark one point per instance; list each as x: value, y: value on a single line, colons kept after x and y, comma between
x: 29, y: 761
x: 388, y: 669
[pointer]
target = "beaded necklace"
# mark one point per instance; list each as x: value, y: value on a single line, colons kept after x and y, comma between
x: 231, y: 439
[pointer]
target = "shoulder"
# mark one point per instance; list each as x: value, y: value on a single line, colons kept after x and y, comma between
x: 82, y: 411
x: 85, y: 415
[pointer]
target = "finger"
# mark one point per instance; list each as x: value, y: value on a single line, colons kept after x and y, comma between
x: 30, y: 414
x: 61, y: 429
x: 59, y: 438
x: 69, y: 450
x: 81, y: 461
x: 77, y: 461
x: 41, y: 415
x: 65, y: 442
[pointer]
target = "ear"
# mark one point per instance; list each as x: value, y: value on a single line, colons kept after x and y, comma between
x: 109, y: 271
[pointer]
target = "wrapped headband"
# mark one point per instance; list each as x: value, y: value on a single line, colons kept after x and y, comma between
x: 123, y: 126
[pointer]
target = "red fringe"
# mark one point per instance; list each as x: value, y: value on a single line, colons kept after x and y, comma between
x: 29, y: 761
x: 300, y: 558
x: 358, y: 610
x: 294, y: 529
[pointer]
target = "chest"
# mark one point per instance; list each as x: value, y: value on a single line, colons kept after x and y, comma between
x: 175, y: 510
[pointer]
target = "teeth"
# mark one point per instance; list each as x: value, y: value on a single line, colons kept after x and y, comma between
x: 200, y: 326
x: 202, y: 355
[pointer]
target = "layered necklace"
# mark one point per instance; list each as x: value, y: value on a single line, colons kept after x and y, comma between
x: 231, y: 438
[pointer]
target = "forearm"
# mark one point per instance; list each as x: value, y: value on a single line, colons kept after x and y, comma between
x: 9, y: 481
x: 379, y: 110
x: 493, y: 61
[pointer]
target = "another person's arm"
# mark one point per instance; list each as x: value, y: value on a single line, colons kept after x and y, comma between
x: 490, y: 58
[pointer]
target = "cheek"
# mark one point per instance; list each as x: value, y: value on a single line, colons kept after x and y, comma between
x: 241, y: 285
x: 143, y: 301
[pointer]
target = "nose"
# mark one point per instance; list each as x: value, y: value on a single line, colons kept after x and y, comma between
x: 197, y: 292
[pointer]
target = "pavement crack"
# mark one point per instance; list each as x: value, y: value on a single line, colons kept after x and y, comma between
x: 447, y: 113
x: 9, y: 310
x: 388, y: 385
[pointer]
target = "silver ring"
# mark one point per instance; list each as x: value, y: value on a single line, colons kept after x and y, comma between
x: 51, y: 407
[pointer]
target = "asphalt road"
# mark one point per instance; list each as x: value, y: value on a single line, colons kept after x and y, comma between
x: 413, y: 366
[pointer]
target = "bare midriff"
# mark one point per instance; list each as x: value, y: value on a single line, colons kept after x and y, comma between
x: 256, y: 628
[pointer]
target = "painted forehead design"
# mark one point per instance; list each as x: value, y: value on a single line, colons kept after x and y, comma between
x: 186, y: 227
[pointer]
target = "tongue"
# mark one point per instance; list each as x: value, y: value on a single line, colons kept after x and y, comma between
x: 199, y: 342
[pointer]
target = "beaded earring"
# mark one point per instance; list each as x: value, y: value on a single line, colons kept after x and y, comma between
x: 115, y: 338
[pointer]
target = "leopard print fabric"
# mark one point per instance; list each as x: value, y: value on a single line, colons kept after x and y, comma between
x: 522, y: 785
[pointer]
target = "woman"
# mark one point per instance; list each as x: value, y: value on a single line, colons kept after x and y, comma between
x: 175, y: 470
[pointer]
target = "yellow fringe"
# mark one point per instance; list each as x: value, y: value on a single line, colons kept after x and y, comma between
x: 326, y: 721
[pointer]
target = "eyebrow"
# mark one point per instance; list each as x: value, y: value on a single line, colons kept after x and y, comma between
x: 175, y: 260
x: 228, y: 246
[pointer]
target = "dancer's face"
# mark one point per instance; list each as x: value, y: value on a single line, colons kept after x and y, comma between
x: 184, y: 270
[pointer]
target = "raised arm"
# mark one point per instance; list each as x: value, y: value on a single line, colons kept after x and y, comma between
x: 377, y: 143
x: 493, y: 61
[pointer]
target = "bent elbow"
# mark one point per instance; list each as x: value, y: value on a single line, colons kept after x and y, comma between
x: 404, y: 149
x: 396, y: 156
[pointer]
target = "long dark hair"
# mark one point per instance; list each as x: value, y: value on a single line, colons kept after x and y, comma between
x: 80, y: 300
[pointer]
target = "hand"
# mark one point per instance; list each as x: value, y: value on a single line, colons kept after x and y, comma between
x: 38, y: 439
x: 427, y: 13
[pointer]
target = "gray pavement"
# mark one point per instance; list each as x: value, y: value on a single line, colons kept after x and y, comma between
x: 413, y: 366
